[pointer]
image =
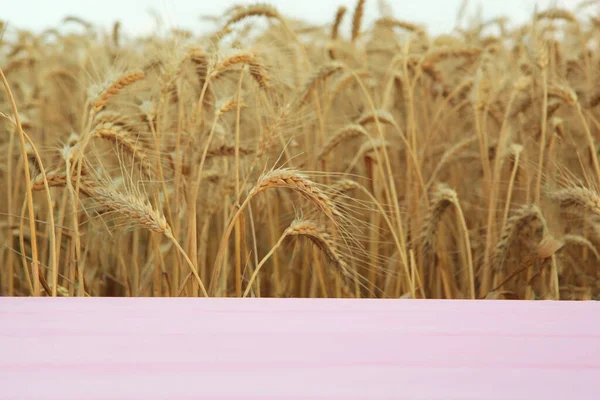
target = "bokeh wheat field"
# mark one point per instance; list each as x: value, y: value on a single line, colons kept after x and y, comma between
x: 274, y: 158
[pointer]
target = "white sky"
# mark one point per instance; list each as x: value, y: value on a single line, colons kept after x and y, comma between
x: 438, y: 15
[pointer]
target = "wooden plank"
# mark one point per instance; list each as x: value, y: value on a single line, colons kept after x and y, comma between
x: 153, y: 349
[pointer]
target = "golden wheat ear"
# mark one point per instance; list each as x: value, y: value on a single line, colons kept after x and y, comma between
x: 405, y: 25
x: 255, y: 65
x: 280, y: 178
x: 319, y: 236
x: 319, y: 76
x: 120, y: 137
x: 343, y: 135
x: 442, y: 198
x: 357, y: 19
x: 556, y: 13
x: 114, y: 88
x: 524, y: 219
x: 253, y: 10
x: 578, y: 240
x: 580, y: 198
x: 339, y: 16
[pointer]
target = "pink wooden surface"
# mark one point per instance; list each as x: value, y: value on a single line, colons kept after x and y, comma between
x: 175, y: 349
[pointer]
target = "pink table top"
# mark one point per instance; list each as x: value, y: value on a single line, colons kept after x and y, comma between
x: 175, y: 349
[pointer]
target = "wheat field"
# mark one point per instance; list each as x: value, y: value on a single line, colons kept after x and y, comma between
x: 275, y: 158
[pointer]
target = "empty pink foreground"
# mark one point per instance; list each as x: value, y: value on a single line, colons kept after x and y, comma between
x: 151, y: 349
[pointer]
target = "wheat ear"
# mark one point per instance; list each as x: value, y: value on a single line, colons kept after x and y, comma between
x: 339, y: 16
x: 524, y: 217
x: 407, y: 26
x: 579, y: 197
x: 442, y: 198
x: 118, y: 135
x: 348, y: 132
x: 130, y: 205
x: 259, y: 9
x: 242, y: 12
x: 316, y: 234
x: 449, y: 155
x: 115, y: 87
x: 279, y: 178
x: 581, y: 241
x: 368, y: 147
x: 357, y: 19
x: 321, y: 75
x: 256, y: 69
x: 142, y: 213
x: 200, y: 61
x: 557, y: 13
x: 381, y: 115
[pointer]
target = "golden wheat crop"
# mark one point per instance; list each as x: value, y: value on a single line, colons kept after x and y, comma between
x: 282, y: 159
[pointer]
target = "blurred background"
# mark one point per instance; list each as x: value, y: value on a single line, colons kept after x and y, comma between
x: 140, y: 16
